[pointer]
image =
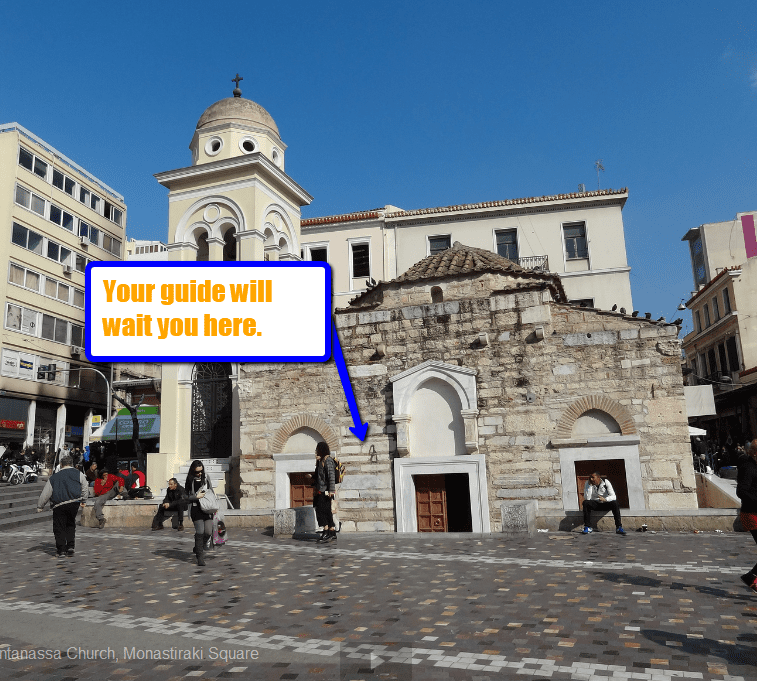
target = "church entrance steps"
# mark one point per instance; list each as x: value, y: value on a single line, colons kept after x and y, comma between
x: 215, y: 469
x: 18, y: 505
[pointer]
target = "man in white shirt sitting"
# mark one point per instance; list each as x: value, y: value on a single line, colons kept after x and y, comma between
x: 600, y: 496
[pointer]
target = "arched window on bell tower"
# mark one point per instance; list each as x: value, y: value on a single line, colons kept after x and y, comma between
x: 230, y: 244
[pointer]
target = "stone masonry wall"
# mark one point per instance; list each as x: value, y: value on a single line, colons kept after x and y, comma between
x: 524, y: 387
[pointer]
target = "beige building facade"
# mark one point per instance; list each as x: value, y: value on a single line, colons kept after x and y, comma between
x: 721, y: 350
x: 55, y: 217
x: 579, y: 236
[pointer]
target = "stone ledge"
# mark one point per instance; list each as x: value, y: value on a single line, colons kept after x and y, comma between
x: 703, y: 519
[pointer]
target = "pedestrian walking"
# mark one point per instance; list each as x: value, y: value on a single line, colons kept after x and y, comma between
x: 746, y: 490
x: 324, y: 482
x: 600, y: 496
x: 197, y: 484
x: 66, y: 491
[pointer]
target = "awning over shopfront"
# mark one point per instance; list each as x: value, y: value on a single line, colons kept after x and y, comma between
x: 121, y: 427
x: 694, y: 432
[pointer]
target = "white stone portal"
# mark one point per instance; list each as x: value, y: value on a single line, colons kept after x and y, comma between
x: 625, y: 447
x: 435, y: 410
x: 404, y: 487
x: 298, y: 457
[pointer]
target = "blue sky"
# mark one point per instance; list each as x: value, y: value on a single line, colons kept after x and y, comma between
x: 416, y: 104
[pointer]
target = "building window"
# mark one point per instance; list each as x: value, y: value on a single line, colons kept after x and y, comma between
x: 576, y: 245
x: 733, y: 353
x: 712, y: 362
x: 32, y: 163
x: 707, y: 321
x: 63, y: 182
x: 583, y: 302
x: 726, y: 301
x: 61, y: 217
x: 30, y: 200
x: 25, y: 159
x: 361, y: 260
x: 698, y: 320
x: 507, y: 244
x: 26, y: 238
x: 318, y: 252
x: 723, y: 359
x: 697, y: 261
x: 437, y: 244
x: 715, y: 309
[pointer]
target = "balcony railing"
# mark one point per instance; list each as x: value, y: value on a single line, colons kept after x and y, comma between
x: 539, y: 263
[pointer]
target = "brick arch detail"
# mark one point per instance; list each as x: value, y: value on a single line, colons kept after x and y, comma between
x: 602, y: 403
x: 304, y: 421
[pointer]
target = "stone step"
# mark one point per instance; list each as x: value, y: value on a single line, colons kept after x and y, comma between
x: 19, y: 508
x: 35, y: 518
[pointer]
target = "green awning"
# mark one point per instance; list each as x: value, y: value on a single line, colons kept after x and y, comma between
x: 121, y: 428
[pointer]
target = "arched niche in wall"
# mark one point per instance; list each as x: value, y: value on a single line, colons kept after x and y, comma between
x: 447, y: 389
x: 293, y: 448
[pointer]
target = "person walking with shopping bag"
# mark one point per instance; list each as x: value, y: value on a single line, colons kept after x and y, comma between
x: 203, y: 504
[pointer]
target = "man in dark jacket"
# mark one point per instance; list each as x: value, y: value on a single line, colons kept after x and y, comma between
x: 66, y: 491
x: 746, y: 490
x: 173, y: 505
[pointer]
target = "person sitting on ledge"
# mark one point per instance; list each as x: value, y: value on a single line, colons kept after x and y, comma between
x: 600, y: 496
x: 173, y: 504
x: 106, y: 488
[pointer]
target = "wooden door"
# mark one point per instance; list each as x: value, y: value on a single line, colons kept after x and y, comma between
x: 613, y: 469
x: 300, y: 490
x: 431, y: 503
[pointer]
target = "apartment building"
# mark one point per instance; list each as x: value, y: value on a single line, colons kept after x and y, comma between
x: 55, y: 217
x: 578, y: 236
x: 721, y: 350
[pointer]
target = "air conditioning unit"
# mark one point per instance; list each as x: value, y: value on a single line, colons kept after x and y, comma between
x: 76, y: 350
x: 66, y: 269
x: 84, y: 241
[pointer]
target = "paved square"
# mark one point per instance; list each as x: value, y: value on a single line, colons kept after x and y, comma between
x: 558, y: 606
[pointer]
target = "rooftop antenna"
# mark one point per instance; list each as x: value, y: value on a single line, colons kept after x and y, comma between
x: 598, y: 165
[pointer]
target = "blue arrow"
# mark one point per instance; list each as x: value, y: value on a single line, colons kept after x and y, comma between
x: 360, y: 430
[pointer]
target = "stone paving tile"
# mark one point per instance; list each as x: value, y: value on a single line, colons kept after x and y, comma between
x: 647, y: 606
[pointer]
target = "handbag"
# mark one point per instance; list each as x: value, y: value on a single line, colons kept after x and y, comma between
x: 209, y: 503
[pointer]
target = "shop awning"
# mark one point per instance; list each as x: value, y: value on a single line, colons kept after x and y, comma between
x: 121, y: 428
x: 694, y: 432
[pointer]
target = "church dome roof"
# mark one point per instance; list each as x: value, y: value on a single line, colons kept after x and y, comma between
x: 461, y: 260
x: 237, y: 110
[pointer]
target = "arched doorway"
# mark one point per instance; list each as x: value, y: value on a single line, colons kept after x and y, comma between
x: 211, y: 410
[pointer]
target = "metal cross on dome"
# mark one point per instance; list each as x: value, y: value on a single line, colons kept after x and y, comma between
x: 237, y: 91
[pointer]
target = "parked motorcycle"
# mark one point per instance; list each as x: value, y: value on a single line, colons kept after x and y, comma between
x: 30, y: 472
x: 15, y: 475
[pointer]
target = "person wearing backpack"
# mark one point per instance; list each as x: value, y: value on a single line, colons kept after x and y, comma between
x: 324, y: 482
x: 600, y: 496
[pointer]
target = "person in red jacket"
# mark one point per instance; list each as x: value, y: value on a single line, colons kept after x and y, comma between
x: 107, y: 487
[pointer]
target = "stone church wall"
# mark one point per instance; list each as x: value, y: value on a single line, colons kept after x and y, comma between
x: 526, y: 385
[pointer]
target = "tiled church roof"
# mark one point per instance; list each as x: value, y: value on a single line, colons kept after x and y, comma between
x: 465, y: 260
x: 459, y: 259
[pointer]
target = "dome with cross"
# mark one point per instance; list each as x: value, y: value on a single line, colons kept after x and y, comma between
x: 235, y: 127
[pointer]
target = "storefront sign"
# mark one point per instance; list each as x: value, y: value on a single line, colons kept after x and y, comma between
x: 13, y: 425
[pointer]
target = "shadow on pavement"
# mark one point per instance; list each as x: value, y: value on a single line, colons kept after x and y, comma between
x: 651, y: 582
x: 680, y: 643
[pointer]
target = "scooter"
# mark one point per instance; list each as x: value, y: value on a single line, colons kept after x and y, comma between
x: 15, y: 476
x: 30, y: 472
